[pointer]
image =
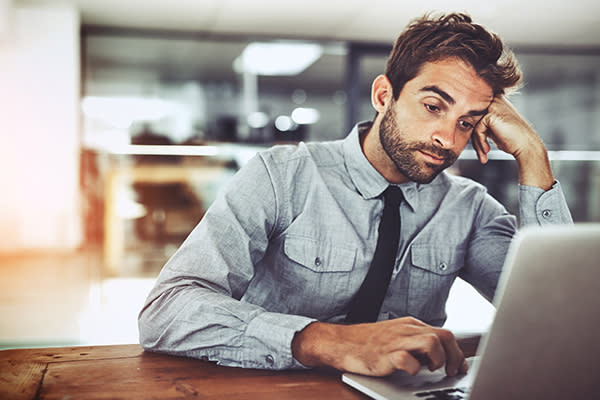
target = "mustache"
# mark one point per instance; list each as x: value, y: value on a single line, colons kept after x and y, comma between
x: 446, y: 154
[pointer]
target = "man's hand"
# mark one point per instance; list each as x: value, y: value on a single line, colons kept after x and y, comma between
x: 512, y: 134
x: 379, y: 348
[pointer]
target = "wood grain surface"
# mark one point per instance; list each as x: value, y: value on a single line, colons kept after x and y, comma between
x: 127, y: 372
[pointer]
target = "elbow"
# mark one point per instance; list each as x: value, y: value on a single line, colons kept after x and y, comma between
x: 147, y: 330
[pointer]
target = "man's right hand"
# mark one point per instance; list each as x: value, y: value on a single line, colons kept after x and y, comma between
x: 379, y: 348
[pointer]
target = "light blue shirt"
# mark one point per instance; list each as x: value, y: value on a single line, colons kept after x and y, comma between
x: 291, y: 238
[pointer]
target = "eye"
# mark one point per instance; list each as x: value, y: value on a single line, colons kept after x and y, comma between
x: 432, y: 108
x: 465, y: 126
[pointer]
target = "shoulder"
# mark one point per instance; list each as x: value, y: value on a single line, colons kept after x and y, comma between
x: 458, y: 184
x: 465, y: 191
x: 319, y: 154
x: 459, y: 190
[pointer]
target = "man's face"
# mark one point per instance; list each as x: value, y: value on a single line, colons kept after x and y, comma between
x: 428, y: 126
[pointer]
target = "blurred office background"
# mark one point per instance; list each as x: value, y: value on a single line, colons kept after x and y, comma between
x: 121, y: 120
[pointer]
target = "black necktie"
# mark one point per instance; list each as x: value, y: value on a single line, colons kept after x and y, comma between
x: 365, y: 306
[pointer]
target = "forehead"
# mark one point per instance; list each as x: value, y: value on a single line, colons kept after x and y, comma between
x: 455, y: 77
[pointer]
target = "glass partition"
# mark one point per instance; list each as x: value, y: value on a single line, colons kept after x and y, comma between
x: 168, y: 118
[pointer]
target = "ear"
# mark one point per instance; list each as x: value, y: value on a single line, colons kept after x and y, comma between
x: 381, y: 93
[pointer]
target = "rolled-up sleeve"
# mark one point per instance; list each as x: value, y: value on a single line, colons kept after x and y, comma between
x: 196, y: 308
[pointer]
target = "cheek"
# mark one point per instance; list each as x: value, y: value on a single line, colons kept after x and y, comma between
x: 411, y: 127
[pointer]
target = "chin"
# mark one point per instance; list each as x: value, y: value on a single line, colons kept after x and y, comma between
x: 422, y: 177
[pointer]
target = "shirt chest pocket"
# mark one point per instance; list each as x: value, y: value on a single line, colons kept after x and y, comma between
x: 437, y: 260
x: 432, y: 272
x: 319, y: 256
x: 314, y: 276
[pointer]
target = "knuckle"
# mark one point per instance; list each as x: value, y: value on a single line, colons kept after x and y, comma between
x: 435, y: 364
x: 403, y: 360
x: 431, y: 340
x: 399, y: 357
x: 411, y: 320
x: 445, y: 335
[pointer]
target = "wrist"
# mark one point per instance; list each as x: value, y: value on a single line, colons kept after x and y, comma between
x: 314, y: 345
x: 305, y: 346
x: 534, y: 166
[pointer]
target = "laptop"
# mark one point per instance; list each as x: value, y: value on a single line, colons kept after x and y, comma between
x: 544, y: 342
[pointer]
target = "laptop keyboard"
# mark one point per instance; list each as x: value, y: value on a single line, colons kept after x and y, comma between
x: 444, y: 394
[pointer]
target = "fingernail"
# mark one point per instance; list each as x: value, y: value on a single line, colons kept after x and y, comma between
x: 465, y: 366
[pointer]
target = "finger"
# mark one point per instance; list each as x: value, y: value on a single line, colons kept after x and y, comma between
x: 481, y: 156
x: 426, y: 347
x: 480, y: 142
x: 455, y: 359
x: 412, y: 321
x: 405, y: 361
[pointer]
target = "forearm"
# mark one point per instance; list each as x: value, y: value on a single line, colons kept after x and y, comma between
x: 196, y: 322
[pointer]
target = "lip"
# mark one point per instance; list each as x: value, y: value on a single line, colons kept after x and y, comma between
x: 430, y: 158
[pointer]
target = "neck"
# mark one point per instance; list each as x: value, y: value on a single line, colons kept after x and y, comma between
x: 376, y: 155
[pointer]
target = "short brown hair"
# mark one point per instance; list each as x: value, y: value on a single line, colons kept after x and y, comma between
x: 430, y: 39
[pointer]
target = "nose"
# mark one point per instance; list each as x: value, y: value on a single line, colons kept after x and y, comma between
x: 444, y: 134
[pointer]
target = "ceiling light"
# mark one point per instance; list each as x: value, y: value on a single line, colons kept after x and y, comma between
x: 284, y: 123
x: 305, y: 116
x: 277, y: 58
x: 258, y: 120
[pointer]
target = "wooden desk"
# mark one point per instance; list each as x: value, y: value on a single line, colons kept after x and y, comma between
x: 127, y: 372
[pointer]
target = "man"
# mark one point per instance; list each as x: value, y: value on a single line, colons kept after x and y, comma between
x: 270, y: 278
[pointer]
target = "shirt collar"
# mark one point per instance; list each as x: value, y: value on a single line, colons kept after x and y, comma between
x: 367, y: 180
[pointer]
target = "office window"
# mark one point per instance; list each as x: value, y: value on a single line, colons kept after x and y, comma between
x: 168, y: 119
x: 205, y: 89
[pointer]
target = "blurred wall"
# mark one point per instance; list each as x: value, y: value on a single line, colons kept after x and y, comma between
x: 39, y: 149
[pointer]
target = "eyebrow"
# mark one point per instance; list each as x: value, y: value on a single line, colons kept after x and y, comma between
x: 439, y: 91
x: 444, y: 95
x: 476, y: 113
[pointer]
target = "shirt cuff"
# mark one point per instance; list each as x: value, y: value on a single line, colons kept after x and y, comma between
x: 275, y: 332
x: 543, y: 207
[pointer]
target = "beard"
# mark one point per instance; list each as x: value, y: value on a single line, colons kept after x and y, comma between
x: 404, y: 153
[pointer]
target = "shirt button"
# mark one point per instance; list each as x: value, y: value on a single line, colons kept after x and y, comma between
x: 547, y: 213
x: 443, y: 266
x: 270, y: 360
x: 318, y: 262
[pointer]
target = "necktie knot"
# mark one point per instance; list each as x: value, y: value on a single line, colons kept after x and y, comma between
x: 393, y: 196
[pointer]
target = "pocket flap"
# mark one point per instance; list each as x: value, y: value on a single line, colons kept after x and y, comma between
x: 436, y: 259
x: 319, y: 256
